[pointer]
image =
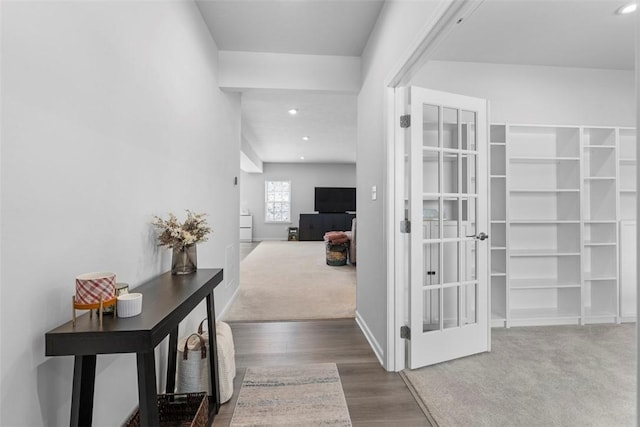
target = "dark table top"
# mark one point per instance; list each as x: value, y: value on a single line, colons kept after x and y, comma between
x: 166, y: 300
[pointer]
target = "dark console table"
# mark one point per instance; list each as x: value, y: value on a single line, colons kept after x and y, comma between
x: 167, y: 300
x: 313, y: 226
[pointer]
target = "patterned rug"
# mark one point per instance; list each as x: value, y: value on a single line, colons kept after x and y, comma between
x: 304, y: 395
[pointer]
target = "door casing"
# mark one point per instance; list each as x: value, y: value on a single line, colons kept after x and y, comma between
x: 446, y: 16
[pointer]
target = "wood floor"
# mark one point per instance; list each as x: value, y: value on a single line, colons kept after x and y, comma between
x: 374, y: 396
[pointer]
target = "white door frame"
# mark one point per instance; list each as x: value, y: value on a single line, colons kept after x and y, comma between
x: 447, y: 15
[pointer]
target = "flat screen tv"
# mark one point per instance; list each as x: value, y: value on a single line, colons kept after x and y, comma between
x: 335, y: 199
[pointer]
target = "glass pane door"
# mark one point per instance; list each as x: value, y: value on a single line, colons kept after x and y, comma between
x: 449, y: 217
x: 448, y: 283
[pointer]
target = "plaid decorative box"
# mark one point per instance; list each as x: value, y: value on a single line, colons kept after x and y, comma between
x: 90, y: 287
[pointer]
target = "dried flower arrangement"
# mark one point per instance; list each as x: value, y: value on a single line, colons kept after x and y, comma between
x: 176, y: 235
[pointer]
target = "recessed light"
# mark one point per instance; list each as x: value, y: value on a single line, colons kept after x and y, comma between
x: 626, y: 9
x: 301, y: 157
x: 293, y: 111
x: 305, y: 138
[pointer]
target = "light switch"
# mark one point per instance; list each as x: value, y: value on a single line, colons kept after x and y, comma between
x: 374, y: 192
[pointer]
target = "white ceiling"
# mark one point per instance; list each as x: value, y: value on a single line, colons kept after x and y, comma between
x: 312, y: 27
x: 329, y: 120
x: 569, y: 33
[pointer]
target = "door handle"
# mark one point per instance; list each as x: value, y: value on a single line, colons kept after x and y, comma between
x: 481, y: 236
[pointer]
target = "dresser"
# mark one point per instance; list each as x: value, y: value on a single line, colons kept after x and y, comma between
x: 246, y: 228
x: 313, y: 226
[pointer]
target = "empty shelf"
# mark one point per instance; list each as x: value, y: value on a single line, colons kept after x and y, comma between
x: 600, y: 243
x: 545, y: 190
x: 542, y: 313
x: 599, y: 277
x: 545, y: 221
x: 542, y: 284
x: 589, y: 312
x: 543, y: 252
x: 628, y: 161
x: 543, y: 159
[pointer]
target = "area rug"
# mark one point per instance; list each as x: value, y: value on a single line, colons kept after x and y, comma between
x: 292, y: 281
x: 537, y: 376
x: 304, y: 395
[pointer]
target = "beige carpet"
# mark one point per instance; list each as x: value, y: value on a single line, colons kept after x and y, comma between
x: 291, y: 281
x: 305, y: 395
x: 537, y: 376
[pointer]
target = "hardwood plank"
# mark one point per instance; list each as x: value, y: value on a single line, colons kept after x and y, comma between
x: 374, y: 396
x: 382, y: 423
x: 226, y: 409
x: 375, y: 408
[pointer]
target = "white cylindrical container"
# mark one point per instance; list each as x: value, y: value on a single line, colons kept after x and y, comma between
x: 129, y: 305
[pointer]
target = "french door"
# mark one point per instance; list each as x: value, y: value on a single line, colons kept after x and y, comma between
x: 446, y: 192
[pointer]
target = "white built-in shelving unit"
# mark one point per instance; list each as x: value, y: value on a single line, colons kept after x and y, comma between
x: 498, y: 235
x: 627, y: 169
x: 558, y: 194
x: 600, y: 225
x: 627, y: 161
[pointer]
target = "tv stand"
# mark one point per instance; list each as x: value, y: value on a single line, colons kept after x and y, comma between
x: 313, y: 226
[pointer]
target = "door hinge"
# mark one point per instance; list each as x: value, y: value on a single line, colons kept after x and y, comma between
x: 405, y: 226
x: 405, y: 121
x: 405, y: 332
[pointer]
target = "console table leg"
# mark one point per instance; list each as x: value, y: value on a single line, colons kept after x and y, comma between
x: 84, y: 378
x: 213, y: 353
x: 147, y: 389
x: 171, y: 365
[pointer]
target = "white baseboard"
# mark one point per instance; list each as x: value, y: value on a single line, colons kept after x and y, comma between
x: 271, y: 239
x: 226, y: 308
x: 375, y: 345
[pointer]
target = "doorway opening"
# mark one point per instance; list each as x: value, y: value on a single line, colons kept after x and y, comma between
x: 290, y: 272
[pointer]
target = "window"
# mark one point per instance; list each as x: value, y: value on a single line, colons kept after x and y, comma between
x: 277, y: 201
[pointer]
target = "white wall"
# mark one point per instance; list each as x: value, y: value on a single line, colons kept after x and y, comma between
x: 249, y: 160
x: 110, y: 114
x: 398, y: 25
x: 260, y: 70
x: 537, y: 94
x: 304, y: 178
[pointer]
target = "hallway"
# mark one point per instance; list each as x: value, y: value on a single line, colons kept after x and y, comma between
x: 374, y: 397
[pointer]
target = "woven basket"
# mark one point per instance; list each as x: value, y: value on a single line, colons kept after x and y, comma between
x: 183, y: 410
x: 337, y: 254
